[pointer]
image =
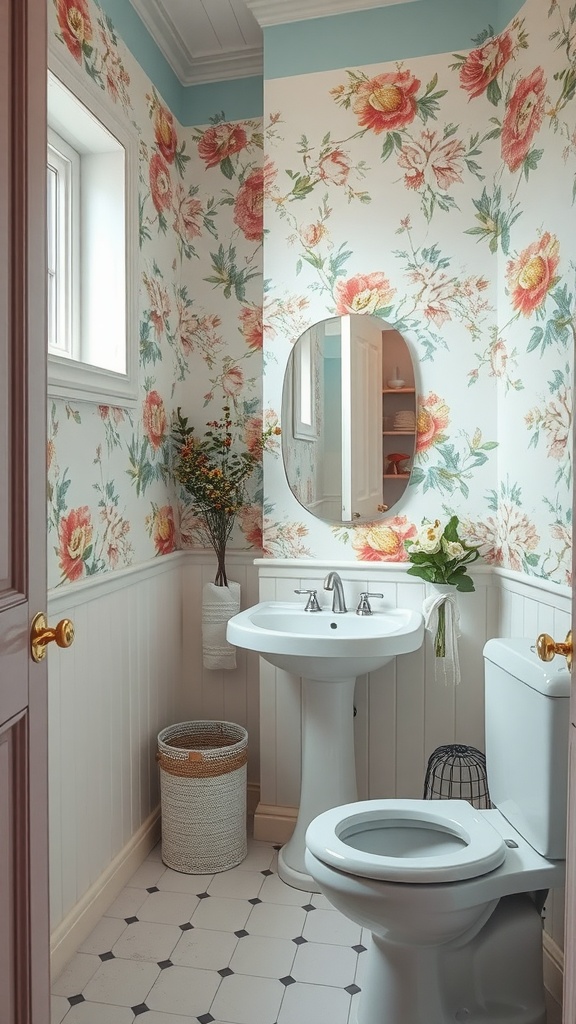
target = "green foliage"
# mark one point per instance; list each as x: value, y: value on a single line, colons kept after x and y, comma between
x: 440, y: 556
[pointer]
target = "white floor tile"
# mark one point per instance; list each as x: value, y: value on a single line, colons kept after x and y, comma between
x: 270, y: 919
x: 144, y: 940
x: 236, y: 884
x: 321, y: 964
x: 76, y: 974
x: 319, y: 900
x: 259, y: 857
x: 183, y: 990
x: 59, y: 1007
x: 157, y: 1017
x: 263, y: 957
x: 121, y: 982
x: 246, y: 1000
x: 104, y: 935
x: 96, y: 1013
x: 330, y: 926
x: 149, y: 873
x: 199, y: 947
x: 317, y: 1004
x: 156, y: 853
x: 275, y: 890
x: 127, y: 903
x: 222, y: 914
x: 177, y: 881
x: 168, y: 907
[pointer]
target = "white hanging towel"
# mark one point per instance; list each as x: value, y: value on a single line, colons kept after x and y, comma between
x: 447, y: 667
x: 218, y: 605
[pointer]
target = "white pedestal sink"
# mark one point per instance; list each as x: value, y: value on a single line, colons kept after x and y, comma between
x: 328, y: 651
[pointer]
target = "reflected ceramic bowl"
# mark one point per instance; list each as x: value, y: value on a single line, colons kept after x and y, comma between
x: 396, y: 383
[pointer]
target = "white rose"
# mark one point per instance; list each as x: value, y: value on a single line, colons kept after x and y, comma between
x: 429, y: 538
x: 453, y: 549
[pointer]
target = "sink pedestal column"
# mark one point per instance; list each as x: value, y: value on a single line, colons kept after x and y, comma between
x: 328, y: 768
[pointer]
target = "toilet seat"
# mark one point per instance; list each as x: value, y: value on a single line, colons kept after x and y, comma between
x: 409, y: 841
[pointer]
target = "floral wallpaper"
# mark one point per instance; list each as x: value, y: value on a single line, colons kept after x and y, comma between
x: 110, y: 503
x: 438, y: 192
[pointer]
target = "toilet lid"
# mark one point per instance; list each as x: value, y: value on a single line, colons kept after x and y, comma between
x: 411, y: 841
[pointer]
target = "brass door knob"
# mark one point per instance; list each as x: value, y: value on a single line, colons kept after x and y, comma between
x: 546, y: 648
x: 41, y: 635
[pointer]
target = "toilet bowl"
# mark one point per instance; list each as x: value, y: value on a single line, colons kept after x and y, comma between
x: 452, y: 895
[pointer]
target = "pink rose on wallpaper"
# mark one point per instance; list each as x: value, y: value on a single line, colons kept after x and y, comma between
x: 75, y: 540
x: 251, y: 326
x: 312, y: 234
x: 165, y: 133
x: 154, y: 419
x: 484, y: 64
x: 335, y: 167
x: 163, y: 530
x: 251, y: 524
x: 523, y: 117
x: 220, y: 142
x: 364, y: 293
x: 188, y: 219
x: 506, y: 542
x: 116, y: 528
x: 498, y: 358
x: 532, y: 274
x: 74, y: 20
x: 233, y: 381
x: 387, y: 102
x: 253, y: 435
x: 160, y: 184
x: 248, y: 205
x: 433, y: 418
x: 431, y: 162
x: 383, y: 542
x: 159, y: 310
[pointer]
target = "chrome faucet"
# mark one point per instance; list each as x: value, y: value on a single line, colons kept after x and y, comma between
x: 333, y: 582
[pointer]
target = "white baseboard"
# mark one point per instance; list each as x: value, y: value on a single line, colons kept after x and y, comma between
x: 553, y: 967
x: 252, y: 798
x: 274, y: 824
x: 84, y: 916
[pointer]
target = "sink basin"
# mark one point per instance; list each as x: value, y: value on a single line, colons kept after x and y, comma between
x: 322, y: 645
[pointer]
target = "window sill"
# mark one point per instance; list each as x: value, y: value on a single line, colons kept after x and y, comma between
x: 81, y: 382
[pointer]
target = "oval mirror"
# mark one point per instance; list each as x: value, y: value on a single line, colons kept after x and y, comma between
x: 349, y: 419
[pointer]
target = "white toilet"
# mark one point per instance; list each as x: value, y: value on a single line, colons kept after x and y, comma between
x: 453, y: 895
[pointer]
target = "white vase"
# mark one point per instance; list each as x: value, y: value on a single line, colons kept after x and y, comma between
x: 218, y: 605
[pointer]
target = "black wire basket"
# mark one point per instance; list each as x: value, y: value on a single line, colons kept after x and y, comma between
x: 457, y: 772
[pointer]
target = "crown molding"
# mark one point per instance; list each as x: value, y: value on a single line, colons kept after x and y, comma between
x: 282, y: 12
x: 191, y: 69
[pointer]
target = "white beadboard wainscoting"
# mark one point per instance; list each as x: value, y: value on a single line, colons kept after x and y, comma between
x: 136, y: 666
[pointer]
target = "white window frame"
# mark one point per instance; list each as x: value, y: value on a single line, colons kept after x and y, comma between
x: 68, y: 376
x: 66, y: 163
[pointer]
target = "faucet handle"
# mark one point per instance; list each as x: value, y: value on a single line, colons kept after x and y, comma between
x: 312, y: 602
x: 364, y: 603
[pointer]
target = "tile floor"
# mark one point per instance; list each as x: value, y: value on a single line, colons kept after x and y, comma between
x: 239, y: 947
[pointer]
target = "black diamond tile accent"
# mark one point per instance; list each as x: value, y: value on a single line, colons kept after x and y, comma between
x: 287, y: 981
x: 299, y: 940
x: 255, y: 901
x: 153, y: 888
x: 186, y: 926
x: 203, y: 895
x: 141, y: 1008
x: 163, y: 964
x: 107, y: 956
x: 308, y: 906
x: 240, y: 934
x: 205, y: 1018
x: 225, y: 972
x: 131, y: 920
x: 267, y: 872
x: 74, y: 1000
x: 359, y: 948
x: 352, y: 990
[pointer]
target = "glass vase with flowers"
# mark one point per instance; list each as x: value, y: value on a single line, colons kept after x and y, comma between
x: 439, y: 556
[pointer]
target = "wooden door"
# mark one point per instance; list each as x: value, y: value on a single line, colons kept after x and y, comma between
x: 361, y: 417
x: 24, y: 923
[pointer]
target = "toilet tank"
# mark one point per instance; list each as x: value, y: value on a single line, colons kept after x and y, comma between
x: 527, y: 714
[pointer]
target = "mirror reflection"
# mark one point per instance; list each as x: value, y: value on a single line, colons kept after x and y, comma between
x: 349, y: 419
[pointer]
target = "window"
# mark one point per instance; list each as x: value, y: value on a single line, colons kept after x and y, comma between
x: 91, y: 246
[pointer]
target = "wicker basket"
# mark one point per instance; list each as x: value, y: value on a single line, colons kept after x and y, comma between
x: 203, y: 794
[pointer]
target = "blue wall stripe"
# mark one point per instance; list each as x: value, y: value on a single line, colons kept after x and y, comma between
x: 380, y: 34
